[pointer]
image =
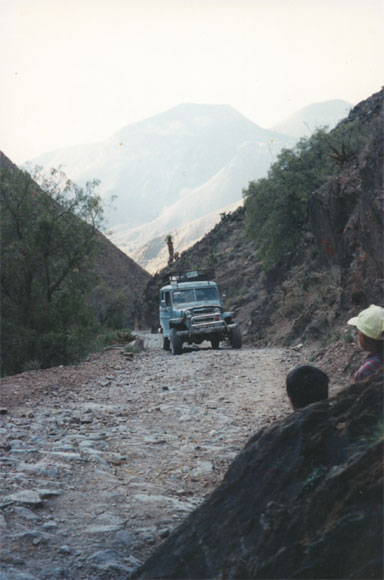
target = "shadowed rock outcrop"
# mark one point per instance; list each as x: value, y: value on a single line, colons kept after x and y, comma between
x: 302, y: 500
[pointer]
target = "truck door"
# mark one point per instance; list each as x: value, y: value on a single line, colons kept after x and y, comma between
x: 165, y: 311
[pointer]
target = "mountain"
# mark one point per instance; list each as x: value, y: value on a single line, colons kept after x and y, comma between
x: 174, y: 167
x: 305, y: 121
x: 154, y: 163
x: 181, y: 166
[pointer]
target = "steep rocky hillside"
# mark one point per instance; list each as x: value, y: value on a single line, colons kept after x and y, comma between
x: 338, y: 270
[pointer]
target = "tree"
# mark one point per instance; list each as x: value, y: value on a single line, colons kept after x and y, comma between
x: 48, y: 243
x: 276, y: 206
x: 169, y: 241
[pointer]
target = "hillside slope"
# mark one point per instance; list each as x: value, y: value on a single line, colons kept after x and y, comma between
x: 121, y: 282
x: 338, y: 270
x: 118, y: 281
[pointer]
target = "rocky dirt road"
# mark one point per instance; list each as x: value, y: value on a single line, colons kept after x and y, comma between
x: 101, y: 460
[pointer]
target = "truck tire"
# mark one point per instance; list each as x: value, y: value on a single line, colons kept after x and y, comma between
x: 166, y: 343
x: 176, y: 342
x: 215, y: 341
x: 236, y: 339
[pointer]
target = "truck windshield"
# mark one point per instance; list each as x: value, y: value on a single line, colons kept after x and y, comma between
x: 194, y: 295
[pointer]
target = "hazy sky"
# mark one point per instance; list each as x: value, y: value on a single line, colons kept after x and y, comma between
x: 76, y: 71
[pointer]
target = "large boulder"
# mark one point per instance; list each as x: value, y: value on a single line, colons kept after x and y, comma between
x: 302, y: 500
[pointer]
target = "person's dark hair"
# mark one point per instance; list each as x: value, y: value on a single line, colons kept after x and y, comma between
x: 370, y: 344
x: 305, y: 385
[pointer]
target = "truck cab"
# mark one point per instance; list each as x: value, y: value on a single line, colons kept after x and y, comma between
x: 191, y: 311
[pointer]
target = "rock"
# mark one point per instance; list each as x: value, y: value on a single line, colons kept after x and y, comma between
x: 203, y: 467
x: 63, y: 455
x: 136, y: 345
x: 26, y: 497
x: 49, y: 526
x: 14, y: 574
x: 6, y: 557
x: 47, y: 493
x: 42, y: 468
x: 36, y: 536
x: 55, y: 572
x: 295, y: 503
x: 103, y: 555
x: 25, y: 513
x: 125, y: 537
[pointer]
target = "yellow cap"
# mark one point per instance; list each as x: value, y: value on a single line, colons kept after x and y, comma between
x: 370, y: 322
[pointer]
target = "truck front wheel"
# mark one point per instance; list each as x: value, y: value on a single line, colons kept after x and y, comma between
x: 166, y: 343
x: 176, y: 342
x: 235, y: 339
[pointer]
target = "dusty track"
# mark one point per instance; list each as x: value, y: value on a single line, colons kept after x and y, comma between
x: 100, y: 461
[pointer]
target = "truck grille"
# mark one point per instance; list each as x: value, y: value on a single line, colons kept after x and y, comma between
x: 203, y: 310
x: 205, y: 317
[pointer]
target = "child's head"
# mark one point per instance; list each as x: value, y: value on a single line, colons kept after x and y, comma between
x: 369, y: 344
x: 370, y: 324
x: 306, y: 385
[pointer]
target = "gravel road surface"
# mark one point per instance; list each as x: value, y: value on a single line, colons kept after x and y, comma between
x: 100, y: 461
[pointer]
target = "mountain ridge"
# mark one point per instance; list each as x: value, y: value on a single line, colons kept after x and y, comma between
x: 172, y: 168
x: 305, y: 121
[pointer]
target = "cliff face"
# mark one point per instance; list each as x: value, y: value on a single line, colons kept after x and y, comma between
x: 338, y: 270
x: 302, y: 500
x: 346, y: 214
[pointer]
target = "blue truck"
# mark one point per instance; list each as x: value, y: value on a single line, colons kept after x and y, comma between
x: 191, y: 311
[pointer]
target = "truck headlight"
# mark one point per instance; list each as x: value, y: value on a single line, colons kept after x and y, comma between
x: 188, y: 313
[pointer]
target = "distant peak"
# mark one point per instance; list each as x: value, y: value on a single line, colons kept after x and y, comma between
x: 212, y: 110
x: 202, y: 106
x: 189, y: 114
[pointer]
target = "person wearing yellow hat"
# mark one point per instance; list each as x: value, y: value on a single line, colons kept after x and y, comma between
x: 370, y: 326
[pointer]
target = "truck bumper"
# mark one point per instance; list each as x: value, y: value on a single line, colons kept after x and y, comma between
x: 216, y: 329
